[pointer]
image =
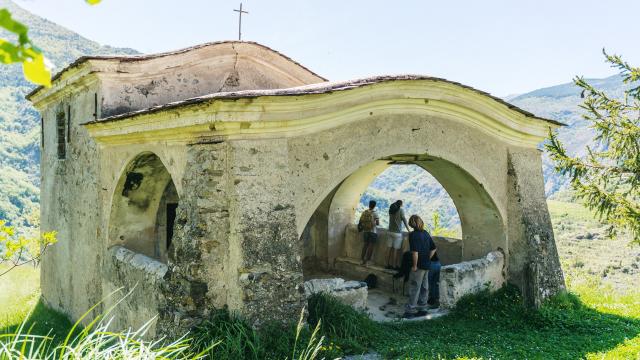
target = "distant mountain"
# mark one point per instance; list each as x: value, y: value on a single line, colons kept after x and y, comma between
x: 562, y: 103
x: 19, y: 121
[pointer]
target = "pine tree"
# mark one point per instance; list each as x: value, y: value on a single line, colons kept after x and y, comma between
x: 608, y: 180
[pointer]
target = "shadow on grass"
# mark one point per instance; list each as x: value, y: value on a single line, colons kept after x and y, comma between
x: 499, y: 326
x: 43, y: 321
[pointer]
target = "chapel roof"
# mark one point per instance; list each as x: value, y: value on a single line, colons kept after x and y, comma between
x: 309, y: 76
x: 319, y: 88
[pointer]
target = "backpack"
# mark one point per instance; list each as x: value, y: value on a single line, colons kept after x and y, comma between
x: 405, y: 266
x: 367, y: 222
x: 372, y: 281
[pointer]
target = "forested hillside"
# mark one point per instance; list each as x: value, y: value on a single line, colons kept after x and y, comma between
x: 19, y: 121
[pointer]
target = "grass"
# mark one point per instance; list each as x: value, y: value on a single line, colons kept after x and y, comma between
x: 598, y: 319
x: 20, y: 301
x: 592, y: 322
x: 497, y: 326
x: 229, y: 336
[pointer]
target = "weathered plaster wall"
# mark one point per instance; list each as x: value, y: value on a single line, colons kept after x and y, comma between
x: 233, y: 66
x: 264, y: 225
x: 133, y: 283
x: 204, y: 259
x: 70, y: 190
x: 535, y: 266
x: 315, y: 239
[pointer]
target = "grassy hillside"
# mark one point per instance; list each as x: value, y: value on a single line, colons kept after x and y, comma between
x: 588, y: 255
x: 20, y: 122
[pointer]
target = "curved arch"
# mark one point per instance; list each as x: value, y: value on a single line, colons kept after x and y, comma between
x: 483, y: 228
x: 143, y: 207
x: 473, y: 168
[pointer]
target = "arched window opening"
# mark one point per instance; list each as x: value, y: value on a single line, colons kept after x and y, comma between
x: 144, y: 208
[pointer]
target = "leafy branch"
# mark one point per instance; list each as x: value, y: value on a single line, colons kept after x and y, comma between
x: 437, y: 229
x: 24, y: 51
x: 17, y: 250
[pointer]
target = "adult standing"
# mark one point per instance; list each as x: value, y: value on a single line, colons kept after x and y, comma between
x: 434, y: 276
x: 394, y: 240
x: 420, y: 246
x: 369, y: 220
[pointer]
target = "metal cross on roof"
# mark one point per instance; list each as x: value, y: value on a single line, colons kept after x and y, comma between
x: 240, y: 12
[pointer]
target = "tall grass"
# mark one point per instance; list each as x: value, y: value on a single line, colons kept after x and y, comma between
x: 226, y: 335
x: 223, y: 336
x: 95, y: 342
x: 352, y: 330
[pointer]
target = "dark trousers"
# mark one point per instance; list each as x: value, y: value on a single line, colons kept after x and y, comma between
x: 434, y: 282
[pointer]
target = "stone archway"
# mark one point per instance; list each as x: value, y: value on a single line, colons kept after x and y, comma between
x: 483, y: 229
x: 143, y: 208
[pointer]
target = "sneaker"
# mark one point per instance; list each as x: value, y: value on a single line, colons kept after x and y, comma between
x: 422, y: 313
x: 389, y: 267
x: 435, y: 305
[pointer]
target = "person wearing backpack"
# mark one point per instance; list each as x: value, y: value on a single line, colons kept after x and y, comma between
x: 422, y: 249
x: 367, y: 225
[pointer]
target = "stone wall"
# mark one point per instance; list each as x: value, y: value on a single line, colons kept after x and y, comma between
x: 263, y: 225
x: 133, y: 284
x: 534, y: 264
x: 203, y: 264
x: 470, y: 277
x: 70, y: 196
x: 449, y: 249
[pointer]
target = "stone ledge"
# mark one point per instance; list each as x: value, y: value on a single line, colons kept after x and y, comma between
x: 353, y: 293
x: 470, y: 277
x: 351, y: 268
x: 149, y: 266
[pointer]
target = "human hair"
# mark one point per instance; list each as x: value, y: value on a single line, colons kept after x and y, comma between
x: 399, y: 202
x: 372, y: 204
x: 416, y: 222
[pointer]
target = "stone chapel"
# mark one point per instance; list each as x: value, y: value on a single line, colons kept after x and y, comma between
x: 227, y: 174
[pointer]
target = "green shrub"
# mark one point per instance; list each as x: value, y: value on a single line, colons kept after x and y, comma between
x: 485, y: 305
x: 351, y: 330
x: 230, y: 336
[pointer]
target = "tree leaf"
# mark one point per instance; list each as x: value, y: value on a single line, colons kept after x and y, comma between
x: 35, y: 70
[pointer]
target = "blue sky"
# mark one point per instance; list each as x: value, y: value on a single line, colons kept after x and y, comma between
x: 503, y: 47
